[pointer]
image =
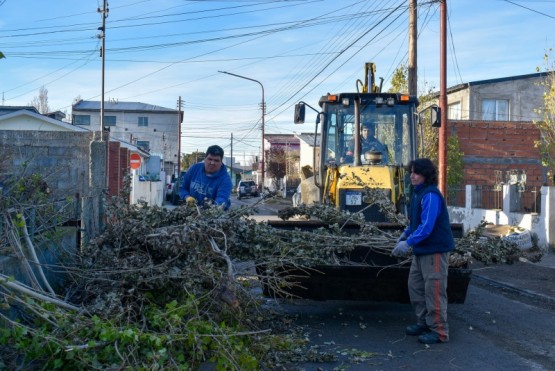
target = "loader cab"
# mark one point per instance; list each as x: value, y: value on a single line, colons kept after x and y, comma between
x: 391, y: 117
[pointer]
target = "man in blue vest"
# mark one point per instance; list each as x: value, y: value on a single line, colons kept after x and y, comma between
x: 430, y: 237
x: 207, y: 181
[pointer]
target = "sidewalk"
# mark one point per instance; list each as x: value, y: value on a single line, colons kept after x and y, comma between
x: 536, y: 280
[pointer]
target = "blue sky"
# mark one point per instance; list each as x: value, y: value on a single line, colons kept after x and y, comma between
x: 158, y: 50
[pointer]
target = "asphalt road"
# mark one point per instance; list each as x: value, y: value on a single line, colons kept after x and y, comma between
x: 492, y: 330
x: 488, y: 332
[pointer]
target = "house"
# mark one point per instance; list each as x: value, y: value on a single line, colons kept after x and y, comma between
x: 307, y: 148
x: 291, y: 145
x: 28, y: 119
x: 502, y: 99
x: 65, y: 153
x: 153, y: 128
x: 493, y: 121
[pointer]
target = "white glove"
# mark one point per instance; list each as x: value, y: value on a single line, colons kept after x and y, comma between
x: 402, y: 237
x: 401, y: 249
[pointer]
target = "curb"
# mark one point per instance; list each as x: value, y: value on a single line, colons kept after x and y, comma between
x: 531, y: 294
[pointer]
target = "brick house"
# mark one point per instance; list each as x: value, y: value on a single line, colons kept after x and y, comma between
x: 493, y: 120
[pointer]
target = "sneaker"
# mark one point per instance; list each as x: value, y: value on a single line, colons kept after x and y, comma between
x: 415, y: 330
x: 430, y: 338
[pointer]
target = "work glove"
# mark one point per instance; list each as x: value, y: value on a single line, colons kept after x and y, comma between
x: 402, y: 237
x: 401, y: 249
x: 191, y: 201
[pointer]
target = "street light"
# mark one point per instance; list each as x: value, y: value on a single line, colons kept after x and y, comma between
x: 263, y: 108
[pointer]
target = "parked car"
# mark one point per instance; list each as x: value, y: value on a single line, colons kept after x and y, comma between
x: 247, y: 188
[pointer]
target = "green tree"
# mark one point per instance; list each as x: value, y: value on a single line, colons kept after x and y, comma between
x: 547, y: 124
x: 189, y: 159
x: 399, y: 80
x: 428, y: 136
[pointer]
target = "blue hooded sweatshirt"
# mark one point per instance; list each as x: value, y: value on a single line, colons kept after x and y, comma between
x: 201, y: 186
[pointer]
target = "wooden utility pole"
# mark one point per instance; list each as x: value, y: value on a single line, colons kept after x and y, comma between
x: 179, y: 120
x: 442, y: 150
x: 413, y: 36
x: 102, y: 36
x: 231, y: 160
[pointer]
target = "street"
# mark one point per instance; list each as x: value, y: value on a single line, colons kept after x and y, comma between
x: 490, y: 331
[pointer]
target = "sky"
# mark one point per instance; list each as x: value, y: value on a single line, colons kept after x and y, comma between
x: 160, y: 50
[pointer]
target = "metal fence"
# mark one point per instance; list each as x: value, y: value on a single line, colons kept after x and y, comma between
x: 529, y: 200
x: 487, y: 197
x: 524, y: 199
x: 456, y: 196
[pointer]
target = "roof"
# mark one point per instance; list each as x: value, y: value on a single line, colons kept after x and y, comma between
x: 9, y: 109
x: 281, y: 138
x: 86, y: 105
x: 37, y: 122
x: 466, y: 85
x: 309, y: 139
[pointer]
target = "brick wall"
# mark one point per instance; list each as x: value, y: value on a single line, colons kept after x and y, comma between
x: 491, y: 146
x: 119, y: 166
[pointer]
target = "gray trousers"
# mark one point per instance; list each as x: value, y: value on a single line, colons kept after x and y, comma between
x: 428, y: 291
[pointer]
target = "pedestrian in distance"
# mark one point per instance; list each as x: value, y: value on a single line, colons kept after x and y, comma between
x: 208, y: 181
x: 430, y: 237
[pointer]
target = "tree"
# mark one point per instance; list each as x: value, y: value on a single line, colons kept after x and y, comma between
x: 189, y: 159
x: 428, y: 136
x: 41, y: 102
x: 399, y: 80
x: 276, y: 164
x: 547, y: 124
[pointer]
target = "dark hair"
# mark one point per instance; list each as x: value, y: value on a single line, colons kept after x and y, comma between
x: 215, y: 151
x: 426, y: 168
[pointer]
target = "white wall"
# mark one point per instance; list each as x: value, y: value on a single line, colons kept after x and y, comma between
x: 147, y: 191
x: 542, y: 225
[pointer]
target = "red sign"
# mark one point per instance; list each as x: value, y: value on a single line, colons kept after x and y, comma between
x: 135, y: 161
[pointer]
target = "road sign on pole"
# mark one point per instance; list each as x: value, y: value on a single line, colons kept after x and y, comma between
x: 135, y: 161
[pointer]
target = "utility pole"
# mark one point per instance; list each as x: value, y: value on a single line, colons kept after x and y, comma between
x: 102, y: 36
x: 413, y: 34
x: 442, y: 150
x: 231, y: 161
x: 103, y: 135
x: 179, y: 120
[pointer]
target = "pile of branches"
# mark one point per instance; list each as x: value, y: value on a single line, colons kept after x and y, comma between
x: 179, y: 288
x: 170, y: 289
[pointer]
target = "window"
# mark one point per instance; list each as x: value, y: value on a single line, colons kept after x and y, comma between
x: 143, y: 121
x: 495, y: 109
x: 109, y: 120
x: 454, y: 111
x: 82, y: 120
x: 144, y: 144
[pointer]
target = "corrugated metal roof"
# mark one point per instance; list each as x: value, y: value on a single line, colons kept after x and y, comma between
x: 309, y: 139
x: 280, y: 138
x: 465, y: 85
x: 9, y: 109
x: 84, y: 105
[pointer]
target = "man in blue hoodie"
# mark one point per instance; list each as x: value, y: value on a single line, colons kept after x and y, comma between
x: 207, y: 181
x: 431, y: 239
